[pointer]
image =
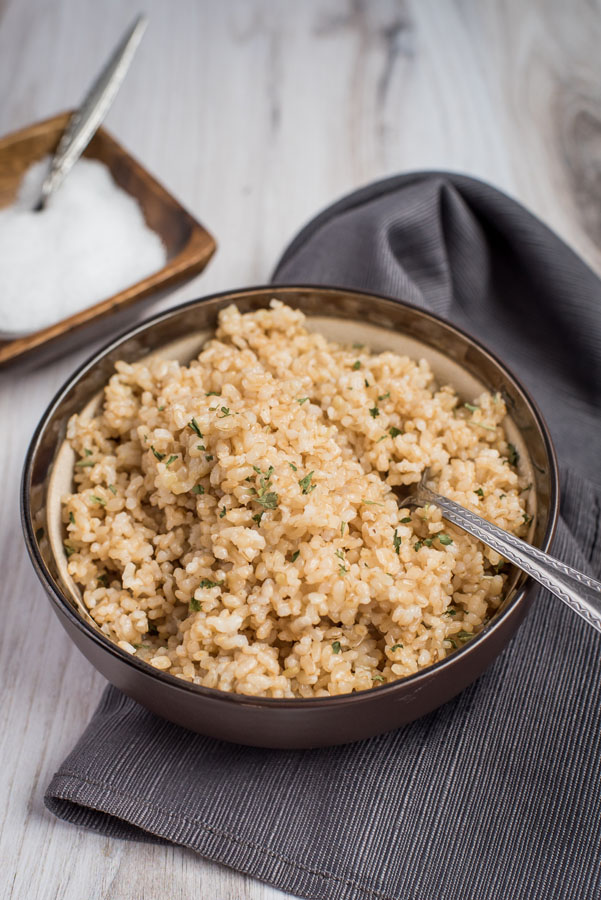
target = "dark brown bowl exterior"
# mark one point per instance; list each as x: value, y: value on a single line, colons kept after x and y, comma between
x: 267, y: 722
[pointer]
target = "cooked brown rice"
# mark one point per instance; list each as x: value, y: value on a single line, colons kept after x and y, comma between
x: 234, y: 523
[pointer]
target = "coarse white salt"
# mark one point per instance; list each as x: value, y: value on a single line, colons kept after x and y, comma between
x: 90, y: 242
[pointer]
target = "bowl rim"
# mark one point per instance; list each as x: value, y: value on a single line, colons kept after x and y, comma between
x: 408, y: 683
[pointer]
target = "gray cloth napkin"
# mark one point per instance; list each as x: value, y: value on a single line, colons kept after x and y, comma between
x: 497, y: 794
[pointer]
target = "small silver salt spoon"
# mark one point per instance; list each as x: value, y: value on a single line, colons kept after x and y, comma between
x: 85, y: 121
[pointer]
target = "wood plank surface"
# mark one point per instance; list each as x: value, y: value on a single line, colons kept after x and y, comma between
x: 255, y: 114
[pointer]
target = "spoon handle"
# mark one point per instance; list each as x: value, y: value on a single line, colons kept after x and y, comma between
x: 85, y: 121
x: 577, y: 590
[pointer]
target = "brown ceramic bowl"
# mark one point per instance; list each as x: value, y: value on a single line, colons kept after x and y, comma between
x: 265, y: 722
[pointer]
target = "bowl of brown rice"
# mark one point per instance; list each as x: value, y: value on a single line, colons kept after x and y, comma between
x: 216, y: 507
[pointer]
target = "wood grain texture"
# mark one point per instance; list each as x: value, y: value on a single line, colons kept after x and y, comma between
x: 256, y: 114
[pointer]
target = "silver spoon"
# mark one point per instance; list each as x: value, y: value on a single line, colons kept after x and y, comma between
x: 577, y: 590
x: 85, y: 121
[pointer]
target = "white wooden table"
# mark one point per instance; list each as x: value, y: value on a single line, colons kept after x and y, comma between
x: 256, y: 114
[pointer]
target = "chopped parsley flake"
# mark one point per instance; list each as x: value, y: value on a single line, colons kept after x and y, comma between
x: 471, y: 407
x: 200, y: 447
x: 396, y: 647
x: 212, y: 394
x: 69, y: 550
x: 84, y: 463
x: 444, y: 539
x: 225, y: 412
x: 418, y: 545
x: 479, y: 492
x: 72, y: 518
x: 207, y: 583
x: 305, y: 483
x: 342, y: 570
x: 171, y: 459
x: 295, y: 556
x: 198, y: 489
x: 366, y: 382
x: 195, y: 605
x: 450, y: 612
x: 336, y: 647
x: 514, y: 456
x: 378, y: 678
x: 356, y: 365
x: 209, y: 457
x: 99, y: 500
x: 527, y: 519
x: 268, y: 500
x: 452, y: 643
x: 406, y: 520
x: 372, y: 503
x: 160, y: 408
x: 384, y: 396
x: 383, y: 438
x: 464, y: 636
x: 342, y: 527
x: 223, y: 512
x: 394, y: 432
x: 193, y: 424
x: 159, y: 456
x: 301, y: 400
x: 340, y: 554
x: 396, y: 542
x: 258, y: 517
x: 293, y: 467
x: 112, y: 488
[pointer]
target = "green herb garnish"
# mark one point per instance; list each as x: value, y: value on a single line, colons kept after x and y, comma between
x: 527, y: 519
x: 295, y: 556
x: 195, y: 605
x: 464, y: 636
x: 209, y: 457
x: 418, y: 545
x: 84, y: 463
x: 374, y: 412
x: 514, y: 456
x: 198, y: 489
x: 396, y: 542
x: 336, y: 647
x: 372, y: 503
x: 112, y: 488
x: 69, y: 550
x: 406, y: 520
x: 72, y: 518
x: 471, y: 407
x: 444, y: 539
x: 356, y: 365
x: 193, y: 424
x: 302, y: 400
x: 171, y: 459
x: 451, y: 642
x: 342, y: 527
x: 384, y: 396
x: 450, y: 612
x: 394, y: 432
x: 207, y: 583
x: 293, y: 467
x: 396, y: 647
x: 223, y: 512
x: 305, y: 483
x: 479, y: 492
x: 225, y: 410
x: 342, y: 570
x: 159, y: 456
x: 378, y: 678
x: 212, y: 394
x: 258, y: 517
x: 99, y: 500
x: 340, y: 554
